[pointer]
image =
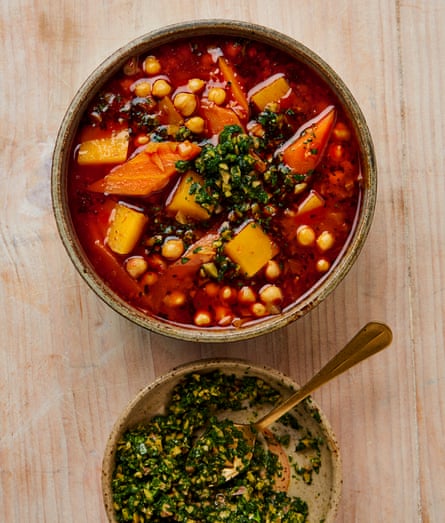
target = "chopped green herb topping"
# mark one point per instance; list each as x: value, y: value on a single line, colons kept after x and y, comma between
x: 156, y: 479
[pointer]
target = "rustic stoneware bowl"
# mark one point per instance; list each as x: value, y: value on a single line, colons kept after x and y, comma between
x: 168, y: 34
x: 322, y: 495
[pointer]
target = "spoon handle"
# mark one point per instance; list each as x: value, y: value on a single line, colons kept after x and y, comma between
x: 369, y: 340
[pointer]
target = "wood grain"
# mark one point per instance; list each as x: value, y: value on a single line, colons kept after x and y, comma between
x: 70, y: 364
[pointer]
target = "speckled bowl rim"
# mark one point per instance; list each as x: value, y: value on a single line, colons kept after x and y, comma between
x: 227, y: 365
x: 110, y: 66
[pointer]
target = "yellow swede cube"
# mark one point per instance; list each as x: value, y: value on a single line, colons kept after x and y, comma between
x: 99, y: 151
x: 182, y: 203
x: 312, y: 201
x: 126, y: 228
x: 251, y: 248
x: 272, y: 90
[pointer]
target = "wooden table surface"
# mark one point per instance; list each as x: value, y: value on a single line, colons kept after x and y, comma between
x: 69, y: 364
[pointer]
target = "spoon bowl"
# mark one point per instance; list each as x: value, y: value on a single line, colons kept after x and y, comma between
x: 369, y: 340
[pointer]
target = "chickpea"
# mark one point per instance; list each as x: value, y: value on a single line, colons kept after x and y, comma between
x: 202, y: 318
x: 175, y: 299
x: 336, y: 152
x: 305, y: 235
x: 217, y: 95
x: 341, y: 132
x: 325, y: 241
x: 151, y: 65
x: 149, y: 278
x: 195, y: 124
x: 161, y: 88
x: 185, y: 103
x: 272, y: 270
x: 136, y: 266
x: 300, y: 187
x: 271, y: 294
x: 246, y: 295
x: 212, y: 289
x: 172, y: 248
x: 141, y: 139
x: 322, y: 265
x: 156, y: 262
x: 258, y: 309
x: 195, y: 85
x: 142, y: 88
x: 227, y: 294
x: 223, y: 316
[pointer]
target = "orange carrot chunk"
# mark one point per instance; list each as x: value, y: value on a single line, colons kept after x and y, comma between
x: 304, y: 150
x: 218, y: 117
x: 230, y: 77
x: 147, y: 172
x: 180, y: 275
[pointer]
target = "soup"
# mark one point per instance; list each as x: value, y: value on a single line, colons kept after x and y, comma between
x: 214, y: 182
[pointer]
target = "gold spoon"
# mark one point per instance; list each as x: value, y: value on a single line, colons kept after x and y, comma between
x: 371, y: 339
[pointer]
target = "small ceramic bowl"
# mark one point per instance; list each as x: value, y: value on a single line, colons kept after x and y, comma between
x: 321, y: 493
x: 63, y: 153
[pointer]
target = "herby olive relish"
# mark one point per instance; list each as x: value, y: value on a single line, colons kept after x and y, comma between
x: 214, y: 182
x: 160, y: 476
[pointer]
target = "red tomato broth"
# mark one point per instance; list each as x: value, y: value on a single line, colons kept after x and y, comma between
x: 337, y: 179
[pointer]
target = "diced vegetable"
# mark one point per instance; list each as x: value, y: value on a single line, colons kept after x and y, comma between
x: 173, y: 117
x: 182, y: 203
x: 179, y: 276
x: 251, y: 248
x: 126, y: 227
x: 104, y: 150
x: 271, y: 90
x: 218, y: 117
x: 304, y: 150
x: 312, y: 201
x: 230, y: 77
x: 111, y: 264
x: 147, y: 172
